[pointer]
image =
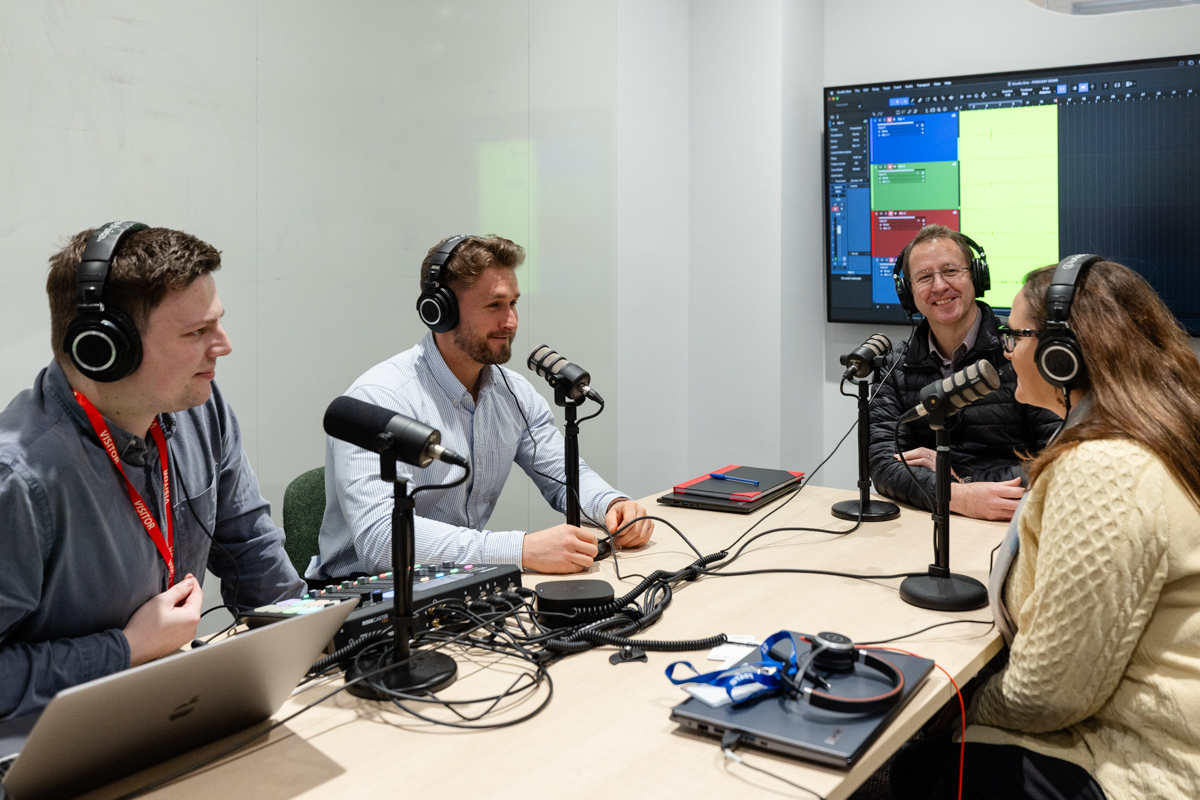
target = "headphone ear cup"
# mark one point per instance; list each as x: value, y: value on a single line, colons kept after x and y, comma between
x: 1059, y: 360
x: 104, y: 347
x: 903, y: 287
x: 981, y: 277
x: 438, y: 309
x: 904, y: 294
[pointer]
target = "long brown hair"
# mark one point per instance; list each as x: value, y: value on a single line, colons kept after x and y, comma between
x: 1143, y: 377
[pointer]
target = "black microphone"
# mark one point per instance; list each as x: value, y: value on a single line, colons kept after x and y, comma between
x: 573, y: 379
x: 379, y: 429
x: 860, y: 363
x: 959, y: 390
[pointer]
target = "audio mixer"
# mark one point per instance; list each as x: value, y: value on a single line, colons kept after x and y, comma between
x: 432, y: 585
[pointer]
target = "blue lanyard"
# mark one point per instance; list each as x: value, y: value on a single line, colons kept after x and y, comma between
x: 745, y: 681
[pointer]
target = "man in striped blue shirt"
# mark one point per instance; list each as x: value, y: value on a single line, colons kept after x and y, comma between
x: 452, y: 380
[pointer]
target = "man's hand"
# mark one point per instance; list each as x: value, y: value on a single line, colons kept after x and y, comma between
x: 165, y: 622
x: 621, y: 511
x: 986, y: 500
x: 921, y: 457
x: 563, y: 548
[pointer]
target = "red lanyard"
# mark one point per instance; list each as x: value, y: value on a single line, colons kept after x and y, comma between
x: 166, y: 546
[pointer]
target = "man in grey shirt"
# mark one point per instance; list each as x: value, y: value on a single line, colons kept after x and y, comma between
x: 122, y: 468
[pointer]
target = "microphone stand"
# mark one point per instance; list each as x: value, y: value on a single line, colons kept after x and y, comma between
x: 870, y: 510
x: 571, y: 465
x: 421, y: 671
x: 941, y: 589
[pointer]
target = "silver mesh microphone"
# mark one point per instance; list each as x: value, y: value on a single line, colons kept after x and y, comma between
x: 958, y: 391
x: 573, y: 379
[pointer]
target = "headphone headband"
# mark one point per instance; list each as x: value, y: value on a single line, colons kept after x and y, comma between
x: 96, y: 262
x: 1061, y: 291
x: 440, y: 259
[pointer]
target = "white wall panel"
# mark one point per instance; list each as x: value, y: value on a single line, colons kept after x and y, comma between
x: 653, y: 254
x: 734, y: 286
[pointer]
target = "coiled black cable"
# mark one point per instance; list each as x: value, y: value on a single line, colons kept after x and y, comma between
x: 344, y: 652
x: 657, y: 578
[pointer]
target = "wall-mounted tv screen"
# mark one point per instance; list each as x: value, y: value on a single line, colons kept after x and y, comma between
x: 1033, y: 165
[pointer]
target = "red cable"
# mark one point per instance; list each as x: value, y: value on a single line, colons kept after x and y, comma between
x: 962, y: 749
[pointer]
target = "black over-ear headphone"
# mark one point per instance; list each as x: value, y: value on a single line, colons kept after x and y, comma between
x: 835, y: 653
x: 1058, y: 355
x: 102, y: 341
x: 437, y: 306
x: 981, y: 278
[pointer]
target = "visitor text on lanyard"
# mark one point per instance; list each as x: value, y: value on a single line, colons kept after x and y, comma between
x: 165, y: 545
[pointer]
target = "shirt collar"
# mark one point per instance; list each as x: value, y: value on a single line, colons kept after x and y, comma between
x: 445, y: 378
x: 967, y: 345
x: 130, y: 447
x: 1079, y: 411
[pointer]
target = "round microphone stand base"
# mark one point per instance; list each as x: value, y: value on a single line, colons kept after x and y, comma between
x: 873, y: 511
x: 950, y: 593
x: 425, y: 672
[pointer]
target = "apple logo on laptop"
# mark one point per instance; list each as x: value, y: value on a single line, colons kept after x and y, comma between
x: 183, y: 709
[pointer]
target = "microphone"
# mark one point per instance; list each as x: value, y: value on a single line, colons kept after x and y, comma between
x: 573, y: 379
x: 378, y: 429
x: 959, y: 390
x: 860, y: 363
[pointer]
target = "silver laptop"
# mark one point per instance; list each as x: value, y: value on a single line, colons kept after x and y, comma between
x: 92, y: 734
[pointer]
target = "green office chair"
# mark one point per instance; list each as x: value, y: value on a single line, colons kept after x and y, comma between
x: 303, y: 509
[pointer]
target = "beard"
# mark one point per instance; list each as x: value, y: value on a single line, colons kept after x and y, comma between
x: 479, y: 347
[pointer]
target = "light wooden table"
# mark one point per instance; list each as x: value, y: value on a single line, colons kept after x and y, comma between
x: 606, y: 730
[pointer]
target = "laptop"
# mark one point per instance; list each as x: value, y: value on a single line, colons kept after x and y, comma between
x: 721, y: 504
x: 780, y: 724
x: 94, y: 733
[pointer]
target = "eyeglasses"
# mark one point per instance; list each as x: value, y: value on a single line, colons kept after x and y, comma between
x: 949, y: 274
x: 1009, y: 336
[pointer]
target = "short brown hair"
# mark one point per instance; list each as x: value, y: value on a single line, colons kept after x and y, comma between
x: 1142, y: 374
x: 931, y: 232
x: 472, y: 257
x: 147, y: 265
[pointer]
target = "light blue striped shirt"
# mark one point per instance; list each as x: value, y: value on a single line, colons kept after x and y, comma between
x: 356, y: 533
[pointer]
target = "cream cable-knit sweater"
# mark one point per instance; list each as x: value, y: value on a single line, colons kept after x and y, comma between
x: 1105, y: 667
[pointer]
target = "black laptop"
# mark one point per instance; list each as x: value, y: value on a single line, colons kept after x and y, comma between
x: 732, y: 495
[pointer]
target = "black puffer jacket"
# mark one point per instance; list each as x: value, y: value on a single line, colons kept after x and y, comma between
x: 984, y: 440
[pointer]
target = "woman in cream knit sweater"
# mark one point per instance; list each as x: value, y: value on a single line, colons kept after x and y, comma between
x: 1097, y: 588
